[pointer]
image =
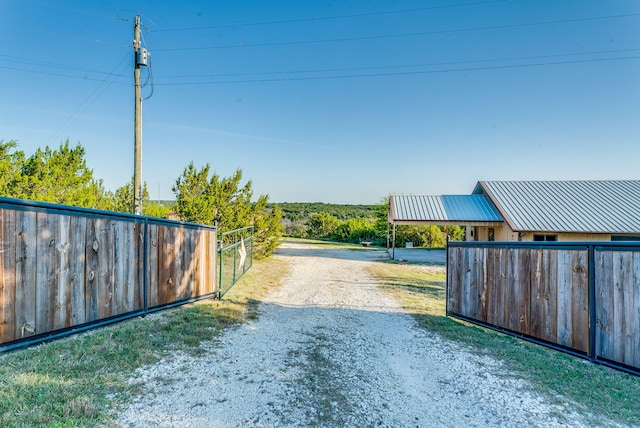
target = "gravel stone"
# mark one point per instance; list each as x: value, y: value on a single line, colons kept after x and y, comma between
x: 331, y: 349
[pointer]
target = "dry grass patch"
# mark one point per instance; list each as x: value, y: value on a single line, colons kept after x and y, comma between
x: 81, y: 380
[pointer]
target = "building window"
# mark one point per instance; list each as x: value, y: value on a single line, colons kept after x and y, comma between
x: 624, y: 238
x: 491, y: 234
x: 545, y: 237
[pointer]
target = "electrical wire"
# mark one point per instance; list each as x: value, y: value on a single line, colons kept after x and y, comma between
x: 327, y: 18
x: 90, y: 99
x: 149, y: 80
x: 400, y: 73
x: 385, y: 67
x: 391, y: 36
x: 27, y: 61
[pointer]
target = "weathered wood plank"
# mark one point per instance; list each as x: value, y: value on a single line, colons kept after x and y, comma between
x: 580, y: 300
x: 564, y: 298
x: 474, y: 287
x: 634, y: 314
x: 201, y: 263
x: 139, y: 231
x: 604, y: 304
x: 167, y: 280
x: 7, y: 275
x: 455, y: 279
x: 466, y: 262
x: 26, y: 243
x: 211, y: 279
x: 45, y: 273
x: 521, y: 289
x: 62, y: 285
x: 503, y: 285
x: 544, y: 295
x: 179, y: 254
x: 494, y: 294
x: 153, y: 265
x: 92, y: 265
x: 620, y: 279
x: 187, y: 263
x: 106, y: 274
x: 629, y: 334
x: 77, y: 261
x: 131, y: 267
x: 122, y: 267
x: 482, y: 308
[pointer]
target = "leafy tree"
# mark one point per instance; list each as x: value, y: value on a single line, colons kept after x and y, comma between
x: 457, y: 233
x: 153, y: 209
x: 122, y: 201
x: 224, y: 200
x: 60, y: 176
x: 322, y: 225
x: 11, y: 162
x: 355, y: 230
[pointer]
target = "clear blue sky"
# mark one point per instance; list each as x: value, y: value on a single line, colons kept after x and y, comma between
x: 344, y: 101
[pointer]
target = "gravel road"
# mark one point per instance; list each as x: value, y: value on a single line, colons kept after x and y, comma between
x: 331, y: 349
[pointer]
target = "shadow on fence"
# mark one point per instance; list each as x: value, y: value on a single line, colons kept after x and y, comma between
x: 581, y: 298
x: 65, y: 269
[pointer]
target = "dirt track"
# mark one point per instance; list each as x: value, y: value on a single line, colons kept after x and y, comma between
x: 331, y: 349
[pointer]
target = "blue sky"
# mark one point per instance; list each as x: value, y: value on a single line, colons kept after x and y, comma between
x: 341, y: 101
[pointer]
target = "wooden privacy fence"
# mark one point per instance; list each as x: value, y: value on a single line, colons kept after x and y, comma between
x: 582, y: 298
x: 63, y: 268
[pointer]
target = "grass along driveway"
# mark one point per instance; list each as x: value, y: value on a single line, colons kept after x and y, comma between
x: 83, y: 379
x: 602, y: 394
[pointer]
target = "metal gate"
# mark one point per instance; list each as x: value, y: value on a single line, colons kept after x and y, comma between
x: 236, y: 257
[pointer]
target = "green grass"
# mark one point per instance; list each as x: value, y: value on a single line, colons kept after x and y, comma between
x: 597, y: 392
x: 81, y: 380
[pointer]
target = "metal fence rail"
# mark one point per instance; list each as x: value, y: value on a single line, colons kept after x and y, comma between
x: 235, y: 257
x: 578, y: 297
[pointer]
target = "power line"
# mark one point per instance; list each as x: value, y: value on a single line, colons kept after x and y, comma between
x: 390, y: 36
x: 60, y: 74
x: 89, y: 100
x: 22, y: 60
x: 399, y: 73
x: 384, y: 67
x: 327, y: 18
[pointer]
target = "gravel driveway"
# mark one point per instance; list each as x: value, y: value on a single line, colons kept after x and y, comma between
x: 331, y: 349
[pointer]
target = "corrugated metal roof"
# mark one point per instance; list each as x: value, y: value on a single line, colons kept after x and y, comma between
x: 419, y: 208
x: 567, y: 206
x: 470, y: 208
x: 446, y: 208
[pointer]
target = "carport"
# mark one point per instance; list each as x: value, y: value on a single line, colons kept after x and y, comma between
x: 440, y: 210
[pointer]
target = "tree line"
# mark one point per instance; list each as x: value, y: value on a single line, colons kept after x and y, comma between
x: 359, y: 223
x: 62, y: 176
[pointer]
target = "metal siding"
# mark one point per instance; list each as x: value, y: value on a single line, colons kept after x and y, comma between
x: 568, y: 206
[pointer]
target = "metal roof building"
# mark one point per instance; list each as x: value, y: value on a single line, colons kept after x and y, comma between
x: 443, y: 210
x: 515, y: 210
x: 566, y: 206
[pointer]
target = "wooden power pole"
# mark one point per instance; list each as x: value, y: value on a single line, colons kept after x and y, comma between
x: 137, y: 123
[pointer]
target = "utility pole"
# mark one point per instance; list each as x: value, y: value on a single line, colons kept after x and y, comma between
x: 137, y: 122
